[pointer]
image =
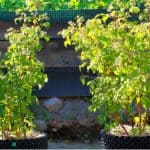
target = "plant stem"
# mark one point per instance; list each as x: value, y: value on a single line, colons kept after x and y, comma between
x: 22, y: 119
x: 125, y: 130
x: 140, y: 114
x: 123, y: 127
x: 21, y: 114
x: 2, y: 132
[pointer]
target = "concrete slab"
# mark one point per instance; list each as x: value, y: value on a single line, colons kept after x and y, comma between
x: 74, y: 145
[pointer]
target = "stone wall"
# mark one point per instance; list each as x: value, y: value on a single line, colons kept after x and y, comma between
x: 67, y: 118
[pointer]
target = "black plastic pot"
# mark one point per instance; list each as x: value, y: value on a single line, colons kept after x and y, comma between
x: 124, y: 142
x: 36, y: 143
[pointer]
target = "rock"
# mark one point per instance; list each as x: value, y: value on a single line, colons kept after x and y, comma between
x: 54, y: 129
x: 53, y: 104
x: 59, y: 125
x: 40, y: 124
x: 67, y: 123
x: 52, y: 123
x: 74, y: 112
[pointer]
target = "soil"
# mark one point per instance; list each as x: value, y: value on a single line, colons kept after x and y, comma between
x: 75, y: 133
x: 132, y: 131
x: 30, y: 135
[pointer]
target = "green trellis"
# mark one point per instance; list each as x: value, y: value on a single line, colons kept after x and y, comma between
x: 60, y: 16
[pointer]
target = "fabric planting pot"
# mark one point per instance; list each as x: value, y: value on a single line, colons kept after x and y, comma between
x: 124, y: 142
x: 40, y: 142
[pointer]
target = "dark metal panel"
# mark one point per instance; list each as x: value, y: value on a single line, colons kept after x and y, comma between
x: 63, y: 82
x: 52, y: 31
x: 56, y: 55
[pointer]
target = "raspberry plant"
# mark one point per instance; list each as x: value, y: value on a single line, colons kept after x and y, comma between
x: 116, y: 46
x: 23, y: 73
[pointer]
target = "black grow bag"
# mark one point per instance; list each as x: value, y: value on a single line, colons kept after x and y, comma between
x: 124, y: 142
x: 36, y: 143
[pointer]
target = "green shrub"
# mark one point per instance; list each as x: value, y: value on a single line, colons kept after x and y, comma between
x: 23, y: 73
x: 118, y: 51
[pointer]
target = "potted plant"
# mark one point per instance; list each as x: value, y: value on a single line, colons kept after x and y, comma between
x: 23, y: 72
x: 116, y: 46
